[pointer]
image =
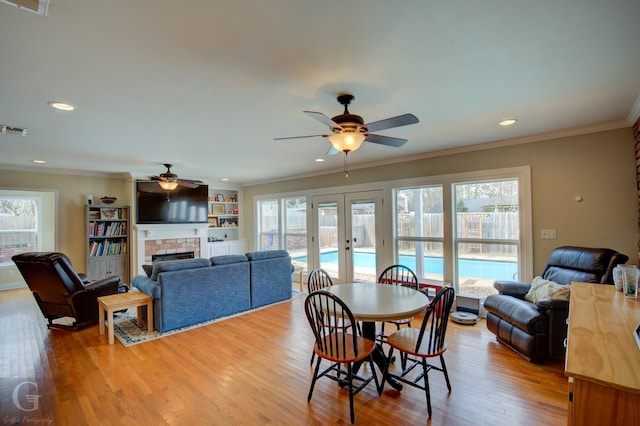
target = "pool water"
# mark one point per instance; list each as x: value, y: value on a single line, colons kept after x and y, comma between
x: 473, y: 268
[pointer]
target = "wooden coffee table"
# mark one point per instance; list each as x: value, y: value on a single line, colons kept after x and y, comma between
x: 117, y: 302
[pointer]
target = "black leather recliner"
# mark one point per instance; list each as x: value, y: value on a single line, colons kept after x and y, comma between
x: 537, y: 331
x: 60, y: 291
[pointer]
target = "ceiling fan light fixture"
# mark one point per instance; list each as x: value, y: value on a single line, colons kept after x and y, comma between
x: 168, y: 185
x: 346, y: 141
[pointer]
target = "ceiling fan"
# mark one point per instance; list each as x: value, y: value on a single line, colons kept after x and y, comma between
x: 349, y: 130
x: 169, y: 181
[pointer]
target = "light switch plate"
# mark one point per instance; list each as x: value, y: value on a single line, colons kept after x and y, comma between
x: 548, y: 234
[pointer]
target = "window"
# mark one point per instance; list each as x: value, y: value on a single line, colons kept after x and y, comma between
x: 487, y: 234
x: 23, y: 225
x: 282, y: 224
x: 420, y: 230
x: 268, y: 229
x: 295, y: 230
x: 471, y: 229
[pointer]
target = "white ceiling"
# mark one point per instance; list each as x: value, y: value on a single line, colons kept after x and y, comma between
x: 207, y: 85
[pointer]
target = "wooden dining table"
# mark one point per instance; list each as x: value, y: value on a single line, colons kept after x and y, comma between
x: 372, y: 302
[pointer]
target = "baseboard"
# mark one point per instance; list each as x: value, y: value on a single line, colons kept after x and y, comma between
x: 12, y: 286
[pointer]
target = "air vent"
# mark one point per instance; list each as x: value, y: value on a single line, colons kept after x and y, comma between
x: 10, y: 130
x: 36, y: 6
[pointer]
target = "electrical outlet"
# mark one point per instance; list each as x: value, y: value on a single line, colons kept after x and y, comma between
x: 548, y: 234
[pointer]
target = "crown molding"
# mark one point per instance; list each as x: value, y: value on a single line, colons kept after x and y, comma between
x: 634, y: 114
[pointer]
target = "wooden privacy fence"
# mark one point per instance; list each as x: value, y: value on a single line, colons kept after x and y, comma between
x: 17, y: 235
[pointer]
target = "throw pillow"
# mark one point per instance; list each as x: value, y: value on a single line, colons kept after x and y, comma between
x: 148, y: 269
x: 545, y: 289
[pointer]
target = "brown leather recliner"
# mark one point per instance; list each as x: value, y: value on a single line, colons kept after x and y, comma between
x: 60, y: 291
x: 538, y: 331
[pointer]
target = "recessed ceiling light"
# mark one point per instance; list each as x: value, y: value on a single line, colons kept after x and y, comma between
x: 507, y: 122
x: 225, y: 179
x: 38, y: 161
x: 319, y: 160
x: 61, y: 106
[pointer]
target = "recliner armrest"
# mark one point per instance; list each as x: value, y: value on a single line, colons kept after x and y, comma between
x: 104, y: 282
x: 553, y: 304
x: 512, y: 288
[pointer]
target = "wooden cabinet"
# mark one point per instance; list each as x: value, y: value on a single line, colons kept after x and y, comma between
x: 224, y: 215
x: 603, y: 359
x: 107, y: 241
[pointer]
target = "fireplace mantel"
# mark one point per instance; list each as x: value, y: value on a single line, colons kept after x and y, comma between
x: 145, y: 233
x: 151, y: 232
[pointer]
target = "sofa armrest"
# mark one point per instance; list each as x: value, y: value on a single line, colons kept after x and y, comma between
x: 512, y: 288
x: 557, y: 311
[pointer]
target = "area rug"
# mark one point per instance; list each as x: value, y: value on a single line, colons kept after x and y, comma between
x: 127, y: 330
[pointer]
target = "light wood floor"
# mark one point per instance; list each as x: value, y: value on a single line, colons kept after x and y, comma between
x: 252, y: 370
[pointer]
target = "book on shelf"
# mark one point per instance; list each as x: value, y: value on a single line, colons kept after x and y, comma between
x: 107, y: 248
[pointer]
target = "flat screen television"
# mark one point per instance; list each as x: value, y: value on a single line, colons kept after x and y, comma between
x: 182, y: 205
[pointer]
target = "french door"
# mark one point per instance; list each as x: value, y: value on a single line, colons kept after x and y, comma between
x: 346, y: 235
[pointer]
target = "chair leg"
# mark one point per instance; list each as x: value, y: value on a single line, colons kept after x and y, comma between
x: 426, y: 384
x: 385, y: 372
x: 444, y: 370
x: 313, y: 357
x: 373, y: 372
x: 313, y: 381
x: 350, y: 377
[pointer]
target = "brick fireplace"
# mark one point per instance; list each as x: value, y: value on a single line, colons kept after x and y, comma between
x: 169, y: 246
x: 169, y: 239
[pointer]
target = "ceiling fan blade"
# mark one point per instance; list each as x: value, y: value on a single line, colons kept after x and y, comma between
x: 300, y: 137
x: 388, y: 123
x: 322, y: 118
x: 385, y: 140
x: 188, y: 183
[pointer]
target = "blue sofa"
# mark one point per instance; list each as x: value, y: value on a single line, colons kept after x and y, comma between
x: 190, y: 291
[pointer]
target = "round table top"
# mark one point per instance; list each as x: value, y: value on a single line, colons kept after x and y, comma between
x: 380, y: 302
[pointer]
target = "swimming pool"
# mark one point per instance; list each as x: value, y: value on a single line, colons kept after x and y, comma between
x: 474, y: 268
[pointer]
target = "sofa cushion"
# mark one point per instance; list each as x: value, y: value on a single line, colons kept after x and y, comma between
x: 178, y: 265
x: 228, y: 259
x: 545, y: 289
x: 267, y: 254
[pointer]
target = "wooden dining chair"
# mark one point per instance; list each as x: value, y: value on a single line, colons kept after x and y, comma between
x: 427, y: 342
x: 320, y: 279
x: 397, y: 275
x: 339, y: 348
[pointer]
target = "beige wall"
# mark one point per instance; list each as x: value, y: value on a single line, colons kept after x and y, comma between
x: 599, y: 167
x: 72, y: 194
